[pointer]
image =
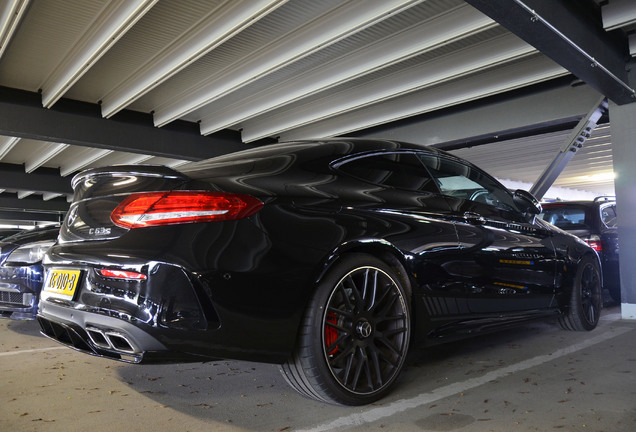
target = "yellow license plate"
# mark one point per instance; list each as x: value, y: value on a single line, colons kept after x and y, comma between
x: 62, y: 282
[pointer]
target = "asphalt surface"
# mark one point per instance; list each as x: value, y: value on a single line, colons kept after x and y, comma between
x: 534, y: 378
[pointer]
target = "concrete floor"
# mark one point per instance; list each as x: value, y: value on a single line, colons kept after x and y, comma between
x: 534, y: 378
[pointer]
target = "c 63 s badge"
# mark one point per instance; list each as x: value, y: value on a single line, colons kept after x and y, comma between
x: 99, y: 231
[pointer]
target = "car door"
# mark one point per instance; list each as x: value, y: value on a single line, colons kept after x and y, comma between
x: 506, y: 262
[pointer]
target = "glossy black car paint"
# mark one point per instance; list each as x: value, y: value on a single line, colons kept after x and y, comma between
x: 599, y: 225
x: 239, y: 289
x: 20, y: 283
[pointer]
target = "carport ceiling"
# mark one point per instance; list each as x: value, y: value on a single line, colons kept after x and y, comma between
x: 86, y: 83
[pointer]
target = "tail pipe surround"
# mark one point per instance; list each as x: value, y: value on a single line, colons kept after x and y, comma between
x: 93, y: 340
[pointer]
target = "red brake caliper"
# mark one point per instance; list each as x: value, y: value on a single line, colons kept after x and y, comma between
x: 331, y: 334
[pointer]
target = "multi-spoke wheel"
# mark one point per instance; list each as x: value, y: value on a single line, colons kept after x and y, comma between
x: 586, y: 298
x: 355, y: 334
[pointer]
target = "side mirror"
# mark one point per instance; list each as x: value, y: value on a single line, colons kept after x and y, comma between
x: 526, y: 202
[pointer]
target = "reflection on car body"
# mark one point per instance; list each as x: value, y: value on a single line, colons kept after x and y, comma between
x: 329, y: 257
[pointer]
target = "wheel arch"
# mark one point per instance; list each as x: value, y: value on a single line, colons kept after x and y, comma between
x: 378, y: 248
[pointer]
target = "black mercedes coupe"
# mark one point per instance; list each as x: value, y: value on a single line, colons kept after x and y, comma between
x: 329, y: 257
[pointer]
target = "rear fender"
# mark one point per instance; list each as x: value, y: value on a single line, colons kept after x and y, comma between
x: 378, y: 248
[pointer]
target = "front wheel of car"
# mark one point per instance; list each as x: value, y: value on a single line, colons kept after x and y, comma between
x: 355, y: 334
x: 584, y: 309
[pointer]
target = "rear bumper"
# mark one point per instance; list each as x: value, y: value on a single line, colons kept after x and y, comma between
x: 128, y: 320
x: 165, y: 318
x: 207, y: 294
x: 104, y: 336
x: 97, y: 334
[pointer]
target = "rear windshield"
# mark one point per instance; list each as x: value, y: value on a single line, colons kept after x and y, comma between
x: 568, y: 217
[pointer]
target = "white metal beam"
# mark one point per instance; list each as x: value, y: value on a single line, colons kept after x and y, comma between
x: 49, y: 151
x: 342, y: 21
x: 122, y: 158
x: 115, y: 20
x: 81, y: 158
x: 6, y: 144
x: 618, y: 13
x: 425, y: 36
x: 11, y: 13
x: 23, y: 194
x: 47, y: 196
x: 453, y: 66
x: 212, y: 30
x: 506, y: 78
x: 177, y: 163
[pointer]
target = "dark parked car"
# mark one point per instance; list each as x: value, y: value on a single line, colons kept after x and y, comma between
x: 328, y: 257
x: 595, y: 223
x: 21, y: 272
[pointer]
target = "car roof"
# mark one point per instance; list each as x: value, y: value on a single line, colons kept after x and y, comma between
x: 577, y: 203
x: 330, y: 147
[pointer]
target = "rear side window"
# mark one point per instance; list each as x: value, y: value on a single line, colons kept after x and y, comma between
x: 466, y: 182
x: 567, y: 217
x: 608, y: 216
x: 393, y: 170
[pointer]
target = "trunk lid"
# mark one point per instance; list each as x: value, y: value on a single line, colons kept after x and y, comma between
x: 98, y: 191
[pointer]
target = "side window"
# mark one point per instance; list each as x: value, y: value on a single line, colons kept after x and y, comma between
x: 567, y: 217
x: 462, y: 181
x: 394, y: 170
x: 608, y: 216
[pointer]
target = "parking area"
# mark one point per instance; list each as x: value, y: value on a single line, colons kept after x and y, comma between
x: 536, y: 377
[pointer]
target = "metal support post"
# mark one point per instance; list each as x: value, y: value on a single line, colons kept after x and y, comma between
x: 574, y: 143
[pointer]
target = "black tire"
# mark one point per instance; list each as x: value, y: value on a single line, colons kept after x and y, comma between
x: 355, y: 334
x: 586, y: 299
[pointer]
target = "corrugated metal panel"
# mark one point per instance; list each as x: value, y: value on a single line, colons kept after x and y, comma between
x: 166, y: 21
x: 275, y: 25
x: 48, y: 32
x: 20, y: 154
x: 455, y: 46
x: 412, y: 17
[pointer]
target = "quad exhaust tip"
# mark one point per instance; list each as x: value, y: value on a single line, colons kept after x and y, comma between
x: 111, y: 340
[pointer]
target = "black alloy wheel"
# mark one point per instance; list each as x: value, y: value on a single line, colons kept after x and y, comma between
x: 586, y: 298
x: 356, y: 334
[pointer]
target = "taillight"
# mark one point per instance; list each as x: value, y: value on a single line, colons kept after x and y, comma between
x: 595, y: 243
x: 122, y: 274
x: 178, y: 207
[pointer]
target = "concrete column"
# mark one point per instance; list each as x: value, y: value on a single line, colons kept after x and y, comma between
x: 623, y: 121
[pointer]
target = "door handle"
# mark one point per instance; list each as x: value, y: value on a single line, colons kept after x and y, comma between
x: 474, y: 218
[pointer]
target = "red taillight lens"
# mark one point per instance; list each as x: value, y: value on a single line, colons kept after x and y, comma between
x: 122, y: 274
x: 178, y: 207
x: 595, y: 243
